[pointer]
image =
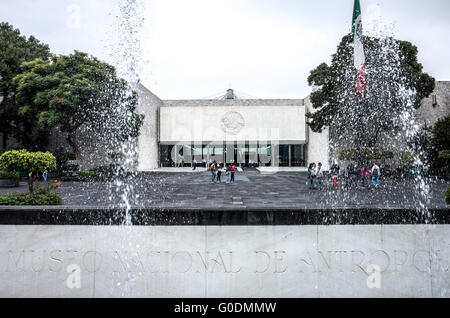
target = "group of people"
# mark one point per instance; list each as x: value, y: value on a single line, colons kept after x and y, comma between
x: 220, y: 169
x: 315, y: 175
x: 35, y: 176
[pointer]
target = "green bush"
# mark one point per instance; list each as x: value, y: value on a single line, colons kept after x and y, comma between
x: 62, y: 157
x: 8, y: 175
x: 34, y: 199
x: 408, y: 160
x: 88, y: 174
x: 447, y: 195
x: 367, y: 154
x: 15, y: 161
x: 444, y: 154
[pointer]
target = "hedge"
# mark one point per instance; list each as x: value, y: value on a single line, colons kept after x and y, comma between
x: 447, y: 195
x: 32, y: 199
x: 15, y: 161
x: 367, y: 154
x: 8, y: 175
x: 444, y: 154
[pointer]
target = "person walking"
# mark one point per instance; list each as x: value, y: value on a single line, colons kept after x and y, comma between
x: 228, y: 173
x: 312, y: 176
x: 194, y: 164
x: 348, y: 175
x: 319, y: 177
x: 233, y: 172
x: 44, y: 175
x: 335, y: 174
x: 375, y: 174
x: 219, y: 173
x: 309, y: 175
x: 364, y: 175
x: 213, y: 168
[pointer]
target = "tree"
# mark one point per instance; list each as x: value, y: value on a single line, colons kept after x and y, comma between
x: 395, y: 85
x: 447, y: 196
x: 71, y: 91
x: 367, y: 154
x: 24, y: 161
x: 14, y: 50
x: 440, y: 145
x: 441, y: 134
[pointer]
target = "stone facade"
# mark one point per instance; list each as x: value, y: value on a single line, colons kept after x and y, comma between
x: 436, y: 106
x: 225, y: 261
x: 230, y: 125
x: 93, y: 155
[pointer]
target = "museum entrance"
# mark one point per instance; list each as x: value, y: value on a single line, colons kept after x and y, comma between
x: 248, y: 154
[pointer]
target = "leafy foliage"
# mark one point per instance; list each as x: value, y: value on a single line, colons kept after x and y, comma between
x: 394, y: 77
x: 21, y: 161
x: 14, y: 50
x: 367, y: 154
x: 70, y: 91
x: 441, y: 134
x: 17, y: 161
x: 8, y: 175
x: 444, y: 154
x: 409, y: 162
x: 438, y: 144
x: 38, y: 198
x: 88, y: 173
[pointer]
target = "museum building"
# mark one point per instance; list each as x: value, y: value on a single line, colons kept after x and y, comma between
x: 228, y: 129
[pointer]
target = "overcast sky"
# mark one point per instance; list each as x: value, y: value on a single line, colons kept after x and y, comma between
x: 264, y: 48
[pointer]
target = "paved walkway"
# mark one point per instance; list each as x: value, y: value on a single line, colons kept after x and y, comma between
x: 251, y: 190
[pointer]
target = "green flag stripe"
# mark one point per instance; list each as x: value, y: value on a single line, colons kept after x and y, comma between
x: 356, y: 14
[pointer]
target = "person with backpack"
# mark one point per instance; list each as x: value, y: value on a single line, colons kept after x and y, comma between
x: 213, y: 168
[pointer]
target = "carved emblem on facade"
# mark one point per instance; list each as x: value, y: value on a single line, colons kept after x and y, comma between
x: 232, y: 123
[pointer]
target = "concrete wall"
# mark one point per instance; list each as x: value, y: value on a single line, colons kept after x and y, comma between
x: 149, y: 105
x: 283, y: 124
x: 229, y: 261
x: 428, y: 113
x: 318, y: 143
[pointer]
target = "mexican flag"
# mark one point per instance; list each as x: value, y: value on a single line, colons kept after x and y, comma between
x: 359, y: 56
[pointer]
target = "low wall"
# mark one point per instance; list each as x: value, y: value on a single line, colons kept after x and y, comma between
x: 9, y: 183
x: 225, y: 261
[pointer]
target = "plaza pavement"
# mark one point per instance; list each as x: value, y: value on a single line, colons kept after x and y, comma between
x: 251, y: 190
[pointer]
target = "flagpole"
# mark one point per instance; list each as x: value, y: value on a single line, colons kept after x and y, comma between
x: 358, y: 131
x: 359, y: 60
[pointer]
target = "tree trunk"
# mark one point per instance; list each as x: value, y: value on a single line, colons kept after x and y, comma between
x: 72, y: 140
x: 5, y: 140
x: 30, y: 184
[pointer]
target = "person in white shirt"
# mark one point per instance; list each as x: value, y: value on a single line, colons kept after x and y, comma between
x: 375, y: 174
